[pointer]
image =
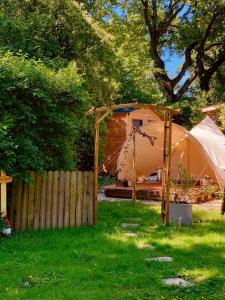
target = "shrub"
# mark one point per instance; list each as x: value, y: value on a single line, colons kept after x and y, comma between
x: 42, y: 114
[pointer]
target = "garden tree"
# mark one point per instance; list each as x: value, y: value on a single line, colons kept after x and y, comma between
x: 42, y: 113
x: 193, y: 29
x: 137, y: 79
x: 60, y: 31
x: 197, y: 29
x: 57, y: 32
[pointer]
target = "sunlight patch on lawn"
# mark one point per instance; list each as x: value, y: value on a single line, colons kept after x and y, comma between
x: 200, y: 274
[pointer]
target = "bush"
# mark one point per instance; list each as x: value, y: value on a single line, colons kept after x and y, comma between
x: 42, y: 114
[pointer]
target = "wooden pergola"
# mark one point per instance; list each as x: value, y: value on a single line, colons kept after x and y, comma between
x: 101, y: 113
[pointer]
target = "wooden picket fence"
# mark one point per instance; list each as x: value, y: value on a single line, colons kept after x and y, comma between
x: 52, y: 200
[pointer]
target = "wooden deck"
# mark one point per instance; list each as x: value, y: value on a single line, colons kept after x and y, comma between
x: 150, y: 191
x: 145, y: 191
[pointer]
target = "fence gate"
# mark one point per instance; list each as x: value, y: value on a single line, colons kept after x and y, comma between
x: 52, y: 200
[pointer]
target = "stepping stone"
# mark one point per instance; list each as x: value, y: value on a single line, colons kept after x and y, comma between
x: 127, y: 225
x: 133, y: 219
x: 145, y: 246
x: 160, y: 258
x: 129, y: 234
x: 177, y: 281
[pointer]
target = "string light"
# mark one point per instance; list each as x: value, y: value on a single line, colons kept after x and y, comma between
x: 133, y: 131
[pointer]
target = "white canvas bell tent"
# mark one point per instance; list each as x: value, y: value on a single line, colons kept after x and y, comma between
x: 201, y: 151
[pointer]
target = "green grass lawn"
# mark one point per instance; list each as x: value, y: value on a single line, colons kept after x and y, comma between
x: 99, y: 263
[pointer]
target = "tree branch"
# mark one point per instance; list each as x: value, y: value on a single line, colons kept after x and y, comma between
x: 188, y: 62
x: 171, y: 15
x: 207, y: 75
x: 186, y: 85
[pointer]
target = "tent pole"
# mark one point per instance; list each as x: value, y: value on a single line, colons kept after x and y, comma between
x: 134, y: 167
x: 168, y: 177
x: 164, y: 171
x: 96, y: 154
x: 223, y: 203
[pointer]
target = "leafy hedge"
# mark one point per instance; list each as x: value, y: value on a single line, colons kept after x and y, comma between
x: 42, y: 111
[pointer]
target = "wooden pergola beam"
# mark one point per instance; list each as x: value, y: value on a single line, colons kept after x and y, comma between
x: 110, y: 107
x: 127, y: 105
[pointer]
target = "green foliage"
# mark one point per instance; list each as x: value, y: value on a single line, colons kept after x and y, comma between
x: 201, y: 101
x: 42, y: 113
x: 58, y: 31
x: 132, y: 50
x: 3, y: 223
x: 190, y: 107
x: 182, y: 187
x: 222, y: 118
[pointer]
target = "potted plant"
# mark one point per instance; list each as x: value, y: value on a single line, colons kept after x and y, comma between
x: 5, y: 229
x: 181, y: 198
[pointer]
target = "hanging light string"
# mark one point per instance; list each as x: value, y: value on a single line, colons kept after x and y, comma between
x: 151, y: 139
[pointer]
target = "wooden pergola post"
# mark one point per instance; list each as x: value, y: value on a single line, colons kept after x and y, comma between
x: 166, y: 166
x: 96, y: 155
x: 134, y: 167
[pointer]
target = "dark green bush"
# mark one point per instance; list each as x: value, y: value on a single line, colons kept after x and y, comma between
x: 42, y: 113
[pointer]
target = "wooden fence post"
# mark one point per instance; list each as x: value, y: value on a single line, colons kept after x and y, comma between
x: 3, y: 193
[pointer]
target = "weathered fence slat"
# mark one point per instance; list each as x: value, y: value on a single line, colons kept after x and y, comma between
x: 19, y: 199
x: 84, y: 199
x: 37, y: 201
x: 24, y: 218
x: 79, y: 197
x: 43, y: 200
x: 90, y: 188
x: 67, y: 200
x: 61, y: 198
x: 30, y: 217
x: 12, y: 204
x: 48, y: 214
x: 73, y: 198
x: 53, y: 199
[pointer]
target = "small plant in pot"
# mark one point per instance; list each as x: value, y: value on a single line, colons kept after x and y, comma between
x: 5, y: 229
x: 181, y: 198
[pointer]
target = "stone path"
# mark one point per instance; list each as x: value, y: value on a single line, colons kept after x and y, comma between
x: 145, y: 246
x: 131, y: 220
x: 129, y: 234
x: 160, y: 258
x: 177, y: 281
x: 127, y: 225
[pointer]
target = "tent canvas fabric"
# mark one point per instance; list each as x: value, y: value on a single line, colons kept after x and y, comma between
x: 201, y: 151
x: 212, y: 141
